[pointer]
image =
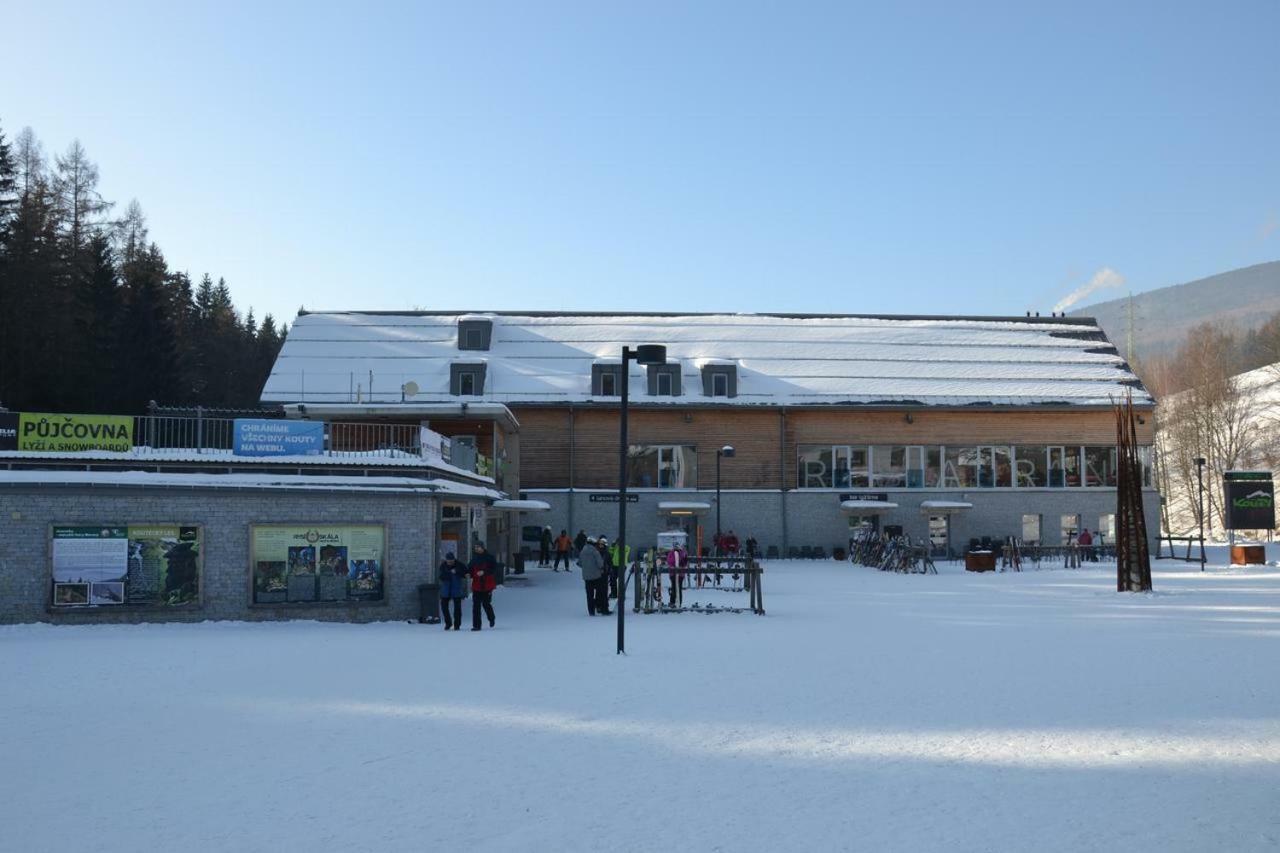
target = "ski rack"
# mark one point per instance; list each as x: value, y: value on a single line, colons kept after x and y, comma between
x: 656, y: 581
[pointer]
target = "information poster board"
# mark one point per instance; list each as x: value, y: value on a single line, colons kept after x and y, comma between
x: 48, y: 433
x: 311, y: 563
x: 253, y: 437
x: 109, y: 565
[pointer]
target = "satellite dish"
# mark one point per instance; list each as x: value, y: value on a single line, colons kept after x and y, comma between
x: 409, y: 388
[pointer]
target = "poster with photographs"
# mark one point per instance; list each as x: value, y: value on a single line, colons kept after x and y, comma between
x: 112, y: 565
x: 301, y: 564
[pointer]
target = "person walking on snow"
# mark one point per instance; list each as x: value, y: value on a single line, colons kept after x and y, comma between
x: 580, y: 541
x: 483, y: 570
x: 544, y: 548
x: 563, y: 545
x: 453, y: 588
x: 591, y: 561
x: 676, y: 562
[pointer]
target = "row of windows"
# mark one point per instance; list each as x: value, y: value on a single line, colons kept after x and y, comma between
x: 999, y: 466
x: 664, y: 380
x: 675, y: 466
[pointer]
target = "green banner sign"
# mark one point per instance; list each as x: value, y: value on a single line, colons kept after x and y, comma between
x: 47, y: 433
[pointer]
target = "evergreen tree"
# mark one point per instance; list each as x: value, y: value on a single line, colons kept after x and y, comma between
x: 91, y: 317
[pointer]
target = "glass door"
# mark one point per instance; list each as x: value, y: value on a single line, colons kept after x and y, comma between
x: 940, y: 535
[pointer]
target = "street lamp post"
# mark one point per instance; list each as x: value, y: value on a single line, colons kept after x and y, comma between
x: 1200, y: 461
x: 727, y: 450
x: 644, y: 354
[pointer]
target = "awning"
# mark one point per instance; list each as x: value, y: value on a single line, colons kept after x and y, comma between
x: 522, y: 506
x: 683, y: 507
x: 943, y: 506
x: 866, y: 507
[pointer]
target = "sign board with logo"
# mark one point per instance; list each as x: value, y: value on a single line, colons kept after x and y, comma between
x: 254, y: 437
x: 317, y: 563
x: 48, y: 433
x: 8, y: 430
x: 435, y: 446
x: 611, y: 499
x: 109, y: 565
x: 1250, y: 500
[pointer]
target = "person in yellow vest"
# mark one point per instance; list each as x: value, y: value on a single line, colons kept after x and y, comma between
x: 618, y: 575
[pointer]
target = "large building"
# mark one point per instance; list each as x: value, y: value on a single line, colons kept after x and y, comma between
x: 949, y: 428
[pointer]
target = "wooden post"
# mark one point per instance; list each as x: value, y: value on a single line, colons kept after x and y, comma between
x: 1133, y: 558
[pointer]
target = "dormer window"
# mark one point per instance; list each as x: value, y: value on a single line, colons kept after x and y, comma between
x: 664, y: 379
x: 606, y: 380
x: 467, y: 380
x: 475, y: 333
x: 720, y: 379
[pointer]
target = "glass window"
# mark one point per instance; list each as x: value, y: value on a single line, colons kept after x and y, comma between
x: 1100, y: 466
x: 609, y: 384
x: 1064, y: 467
x: 850, y: 466
x: 1030, y: 466
x: 932, y: 467
x: 466, y: 384
x: 1002, y: 466
x: 1148, y: 471
x: 890, y: 466
x: 1106, y: 529
x: 1031, y: 529
x: 915, y: 467
x: 475, y: 339
x: 719, y: 385
x: 1070, y: 527
x: 815, y: 467
x: 664, y: 384
x: 662, y: 466
x: 961, y: 469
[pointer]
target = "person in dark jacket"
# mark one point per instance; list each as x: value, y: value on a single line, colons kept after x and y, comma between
x: 544, y: 547
x: 483, y: 570
x: 580, y: 541
x: 453, y: 588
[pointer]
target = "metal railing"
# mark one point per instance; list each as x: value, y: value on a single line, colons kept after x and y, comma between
x: 161, y: 435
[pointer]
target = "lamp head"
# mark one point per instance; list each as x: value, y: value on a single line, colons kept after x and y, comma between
x: 1200, y: 460
x: 727, y: 450
x: 651, y: 354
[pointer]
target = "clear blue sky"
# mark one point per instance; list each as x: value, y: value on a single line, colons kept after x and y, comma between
x: 889, y: 157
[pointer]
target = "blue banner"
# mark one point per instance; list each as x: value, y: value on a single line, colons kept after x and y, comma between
x: 278, y: 438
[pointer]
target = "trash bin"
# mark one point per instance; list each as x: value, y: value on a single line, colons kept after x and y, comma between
x: 518, y: 564
x: 429, y: 603
x: 501, y: 573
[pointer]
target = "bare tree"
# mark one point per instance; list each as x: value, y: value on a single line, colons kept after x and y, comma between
x: 76, y: 187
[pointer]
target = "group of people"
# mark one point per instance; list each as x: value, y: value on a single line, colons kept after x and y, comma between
x: 565, y: 548
x: 728, y: 545
x: 602, y: 565
x: 478, y: 577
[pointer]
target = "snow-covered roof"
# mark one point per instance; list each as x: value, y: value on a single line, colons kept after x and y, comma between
x: 330, y: 458
x: 781, y: 359
x: 305, y: 482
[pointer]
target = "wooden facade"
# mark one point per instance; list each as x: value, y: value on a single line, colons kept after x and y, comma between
x: 577, y: 446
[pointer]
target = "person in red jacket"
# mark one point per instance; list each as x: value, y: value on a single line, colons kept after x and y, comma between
x: 483, y: 570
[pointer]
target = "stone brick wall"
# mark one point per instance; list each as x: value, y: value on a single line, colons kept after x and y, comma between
x: 27, y: 512
x: 814, y: 518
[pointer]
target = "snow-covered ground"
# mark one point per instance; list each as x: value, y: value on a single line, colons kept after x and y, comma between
x: 867, y: 711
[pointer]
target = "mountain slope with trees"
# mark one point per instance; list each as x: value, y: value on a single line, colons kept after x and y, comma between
x: 92, y: 316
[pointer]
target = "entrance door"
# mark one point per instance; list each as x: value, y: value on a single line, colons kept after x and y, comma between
x: 940, y: 535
